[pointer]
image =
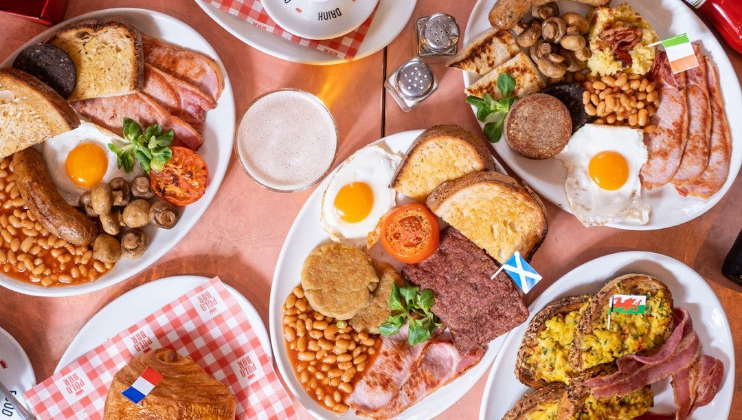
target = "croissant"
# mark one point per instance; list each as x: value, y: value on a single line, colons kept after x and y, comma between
x: 185, y: 392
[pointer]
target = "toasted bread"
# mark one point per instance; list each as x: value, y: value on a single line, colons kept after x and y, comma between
x: 441, y: 153
x: 30, y: 112
x: 485, y: 52
x: 108, y: 57
x: 647, y: 333
x: 521, y: 68
x: 543, y: 356
x: 494, y: 212
x: 545, y: 399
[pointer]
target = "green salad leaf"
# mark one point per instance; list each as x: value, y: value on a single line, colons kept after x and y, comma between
x: 492, y: 112
x: 150, y: 147
x: 412, y: 307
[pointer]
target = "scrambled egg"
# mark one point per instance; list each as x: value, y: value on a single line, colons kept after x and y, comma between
x: 544, y: 412
x: 604, y: 59
x: 627, y: 407
x: 628, y: 334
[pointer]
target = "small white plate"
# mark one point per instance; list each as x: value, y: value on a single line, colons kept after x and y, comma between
x: 390, y: 18
x: 16, y: 373
x: 319, y: 19
x: 689, y: 291
x: 305, y: 235
x: 668, y: 18
x: 216, y: 150
x: 137, y: 304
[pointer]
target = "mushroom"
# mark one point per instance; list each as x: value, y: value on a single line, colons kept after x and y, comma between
x: 545, y: 11
x: 162, y: 214
x: 552, y: 65
x: 106, y: 248
x: 573, y: 42
x: 530, y: 35
x: 134, y: 243
x: 141, y: 188
x: 583, y: 54
x: 85, y: 203
x: 573, y: 63
x: 553, y: 29
x: 540, y: 49
x: 101, y: 199
x: 578, y: 21
x: 120, y: 191
x: 136, y: 214
x: 111, y: 222
x: 519, y: 27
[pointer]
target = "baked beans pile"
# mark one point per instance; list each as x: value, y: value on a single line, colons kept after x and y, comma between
x: 328, y: 357
x: 626, y: 99
x: 29, y: 252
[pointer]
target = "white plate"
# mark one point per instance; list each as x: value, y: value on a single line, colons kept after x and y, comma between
x: 216, y: 151
x: 389, y: 20
x: 305, y: 235
x: 689, y: 291
x: 668, y: 18
x: 137, y: 304
x: 325, y: 19
x: 16, y: 373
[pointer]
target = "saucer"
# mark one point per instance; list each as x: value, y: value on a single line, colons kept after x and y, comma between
x: 319, y: 19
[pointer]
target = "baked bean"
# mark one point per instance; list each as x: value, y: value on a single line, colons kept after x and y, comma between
x: 345, y: 365
x: 599, y: 85
x: 329, y: 359
x: 311, y: 368
x: 345, y: 387
x: 650, y: 129
x: 336, y: 396
x: 340, y: 408
x: 326, y: 345
x: 288, y: 333
x: 320, y: 325
x: 300, y: 329
x: 579, y: 77
x: 313, y: 346
x: 306, y: 355
x: 361, y: 366
x: 585, y: 97
x: 330, y: 332
x: 600, y: 110
x: 643, y: 117
x: 344, y: 358
x: 315, y: 334
x: 342, y: 345
x: 329, y: 402
x: 313, y: 383
x: 347, y: 376
x: 26, y: 244
x: 298, y: 292
x: 289, y: 320
x: 320, y: 393
x: 301, y: 304
x: 319, y: 375
x: 594, y: 99
x: 360, y: 358
x: 633, y: 120
x: 336, y: 381
x: 334, y: 373
x: 590, y: 110
x: 290, y: 301
x: 325, y: 368
x: 301, y: 343
x: 318, y: 316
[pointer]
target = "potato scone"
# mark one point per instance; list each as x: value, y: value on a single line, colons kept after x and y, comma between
x: 338, y: 280
x: 595, y: 344
x: 377, y: 312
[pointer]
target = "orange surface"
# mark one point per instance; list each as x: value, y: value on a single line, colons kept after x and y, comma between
x: 242, y: 232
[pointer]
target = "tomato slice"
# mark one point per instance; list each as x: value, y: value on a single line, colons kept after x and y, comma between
x: 410, y: 233
x: 183, y: 179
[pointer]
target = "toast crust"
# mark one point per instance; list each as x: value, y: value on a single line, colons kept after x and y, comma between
x: 551, y: 394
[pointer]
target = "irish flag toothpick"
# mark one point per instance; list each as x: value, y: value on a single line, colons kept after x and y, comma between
x: 680, y: 53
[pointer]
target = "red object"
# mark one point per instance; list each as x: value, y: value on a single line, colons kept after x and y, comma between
x: 48, y: 12
x: 725, y: 15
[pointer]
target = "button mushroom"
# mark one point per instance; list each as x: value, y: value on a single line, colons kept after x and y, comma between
x: 519, y: 27
x: 552, y: 65
x: 111, y: 222
x: 545, y: 11
x: 106, y: 249
x: 85, y: 202
x: 577, y: 21
x: 141, y: 187
x: 583, y: 54
x: 553, y: 29
x: 573, y: 63
x: 134, y: 243
x: 540, y: 49
x: 530, y: 35
x: 573, y: 42
x: 120, y: 191
x: 101, y: 198
x: 136, y: 214
x: 162, y: 214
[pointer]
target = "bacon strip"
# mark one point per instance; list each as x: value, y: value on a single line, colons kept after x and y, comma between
x: 179, y: 98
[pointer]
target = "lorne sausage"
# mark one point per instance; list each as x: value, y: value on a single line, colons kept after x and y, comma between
x: 506, y: 13
x: 43, y: 199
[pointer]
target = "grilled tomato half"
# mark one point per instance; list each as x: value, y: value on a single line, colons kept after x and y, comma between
x: 410, y: 233
x: 183, y: 179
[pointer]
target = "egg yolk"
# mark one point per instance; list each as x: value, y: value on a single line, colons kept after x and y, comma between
x: 609, y: 170
x: 86, y: 165
x: 354, y: 202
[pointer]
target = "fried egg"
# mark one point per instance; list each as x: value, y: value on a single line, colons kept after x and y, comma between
x: 358, y: 194
x: 80, y: 159
x: 603, y: 165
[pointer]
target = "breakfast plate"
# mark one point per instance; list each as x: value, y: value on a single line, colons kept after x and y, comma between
x: 390, y: 18
x: 16, y: 372
x: 216, y: 151
x: 305, y: 234
x: 689, y: 290
x: 138, y: 304
x: 668, y: 18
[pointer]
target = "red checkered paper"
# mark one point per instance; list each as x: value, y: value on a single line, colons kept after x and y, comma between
x: 205, y: 324
x: 345, y: 47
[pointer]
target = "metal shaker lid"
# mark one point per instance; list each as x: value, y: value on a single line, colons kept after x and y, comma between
x: 441, y: 32
x: 415, y: 79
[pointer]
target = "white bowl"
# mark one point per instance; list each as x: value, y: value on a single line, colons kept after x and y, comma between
x: 319, y: 19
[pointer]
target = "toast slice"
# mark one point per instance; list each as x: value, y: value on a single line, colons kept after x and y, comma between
x: 543, y: 356
x: 521, y: 68
x: 487, y: 51
x: 594, y: 344
x: 441, y: 153
x: 30, y: 112
x: 544, y: 401
x: 494, y: 212
x: 108, y: 57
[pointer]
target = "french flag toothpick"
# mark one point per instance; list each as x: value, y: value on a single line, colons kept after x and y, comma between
x: 143, y: 385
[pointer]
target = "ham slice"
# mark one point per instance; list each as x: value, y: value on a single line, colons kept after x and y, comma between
x: 666, y: 143
x: 696, y: 153
x: 192, y: 67
x: 715, y: 175
x: 110, y: 112
x: 179, y: 98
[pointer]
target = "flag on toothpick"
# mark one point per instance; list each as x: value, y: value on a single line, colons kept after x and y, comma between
x: 521, y: 272
x: 680, y: 53
x: 627, y: 304
x: 143, y: 385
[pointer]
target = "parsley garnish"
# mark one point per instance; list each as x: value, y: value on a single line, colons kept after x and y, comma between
x: 151, y: 147
x: 409, y: 305
x: 492, y: 112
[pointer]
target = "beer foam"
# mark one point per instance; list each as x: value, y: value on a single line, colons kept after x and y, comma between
x: 287, y: 140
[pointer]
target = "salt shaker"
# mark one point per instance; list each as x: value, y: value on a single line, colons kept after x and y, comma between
x: 411, y: 83
x: 437, y: 35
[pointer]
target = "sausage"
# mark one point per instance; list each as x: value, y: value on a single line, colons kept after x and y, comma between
x: 506, y: 13
x: 43, y: 199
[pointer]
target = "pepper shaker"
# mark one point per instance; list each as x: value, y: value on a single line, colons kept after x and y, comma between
x: 437, y: 35
x: 411, y: 83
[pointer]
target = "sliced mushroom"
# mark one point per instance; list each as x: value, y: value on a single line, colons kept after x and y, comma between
x: 106, y: 248
x: 553, y: 29
x: 552, y: 66
x: 578, y: 21
x: 530, y: 35
x: 134, y: 243
x: 545, y: 11
x: 136, y: 214
x: 120, y: 191
x: 141, y: 187
x: 583, y: 54
x: 85, y: 203
x: 573, y: 42
x: 162, y: 214
x: 101, y: 199
x: 111, y: 222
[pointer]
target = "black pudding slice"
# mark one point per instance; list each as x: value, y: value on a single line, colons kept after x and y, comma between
x: 570, y: 94
x: 49, y: 64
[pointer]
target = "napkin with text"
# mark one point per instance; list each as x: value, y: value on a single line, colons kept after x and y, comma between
x: 205, y: 324
x: 345, y: 47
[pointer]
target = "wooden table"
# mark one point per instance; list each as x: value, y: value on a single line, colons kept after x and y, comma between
x: 241, y: 234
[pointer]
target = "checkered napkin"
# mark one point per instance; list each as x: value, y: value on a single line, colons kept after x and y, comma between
x: 345, y: 47
x: 207, y: 325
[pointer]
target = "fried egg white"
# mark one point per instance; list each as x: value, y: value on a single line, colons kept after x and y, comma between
x: 358, y: 195
x: 603, y: 165
x: 80, y: 159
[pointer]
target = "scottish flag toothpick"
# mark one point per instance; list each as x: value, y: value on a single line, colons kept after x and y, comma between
x: 521, y: 272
